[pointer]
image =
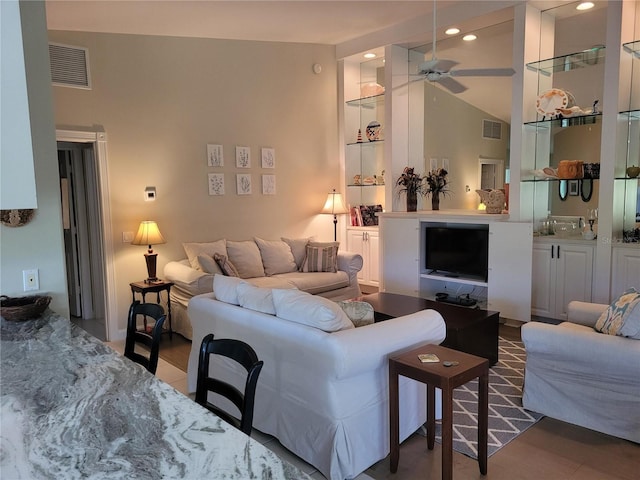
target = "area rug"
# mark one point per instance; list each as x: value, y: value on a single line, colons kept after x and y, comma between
x: 507, y: 417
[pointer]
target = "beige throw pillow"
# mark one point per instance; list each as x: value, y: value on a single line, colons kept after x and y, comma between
x: 245, y: 256
x: 194, y: 249
x: 321, y: 257
x: 276, y: 256
x: 311, y: 310
x: 360, y: 313
x: 225, y: 265
x: 255, y: 298
x: 226, y: 289
x: 208, y: 264
x: 298, y: 247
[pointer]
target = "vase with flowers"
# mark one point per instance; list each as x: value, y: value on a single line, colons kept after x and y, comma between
x: 412, y: 184
x: 436, y: 183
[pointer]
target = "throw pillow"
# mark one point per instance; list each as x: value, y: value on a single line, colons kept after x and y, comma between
x: 276, y: 256
x: 256, y: 298
x: 298, y: 248
x: 622, y: 317
x: 225, y: 265
x: 208, y: 264
x: 321, y: 257
x: 194, y: 249
x: 311, y: 310
x: 360, y: 313
x: 246, y: 258
x: 226, y: 289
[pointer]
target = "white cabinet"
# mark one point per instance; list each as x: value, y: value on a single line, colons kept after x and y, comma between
x: 366, y: 242
x: 562, y: 272
x: 626, y: 269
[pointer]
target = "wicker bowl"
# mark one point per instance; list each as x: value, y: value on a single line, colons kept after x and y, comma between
x: 18, y: 309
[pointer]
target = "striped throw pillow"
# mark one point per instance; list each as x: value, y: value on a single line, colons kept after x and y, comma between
x: 321, y: 257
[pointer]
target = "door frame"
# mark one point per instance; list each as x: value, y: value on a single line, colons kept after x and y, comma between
x: 99, y: 139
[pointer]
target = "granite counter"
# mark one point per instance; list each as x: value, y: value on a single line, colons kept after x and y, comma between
x: 71, y: 407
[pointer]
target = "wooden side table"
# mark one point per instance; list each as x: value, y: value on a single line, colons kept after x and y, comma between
x: 447, y: 379
x: 156, y: 287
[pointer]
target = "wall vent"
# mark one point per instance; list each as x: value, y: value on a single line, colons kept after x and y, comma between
x: 491, y: 129
x: 69, y: 66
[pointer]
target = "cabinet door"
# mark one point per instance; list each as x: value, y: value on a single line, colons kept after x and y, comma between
x: 626, y: 270
x: 355, y: 244
x: 373, y: 245
x: 543, y: 280
x: 574, y: 272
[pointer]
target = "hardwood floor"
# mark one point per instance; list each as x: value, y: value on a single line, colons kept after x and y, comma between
x: 550, y: 450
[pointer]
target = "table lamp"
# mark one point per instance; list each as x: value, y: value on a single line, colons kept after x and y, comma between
x: 149, y: 234
x: 335, y: 206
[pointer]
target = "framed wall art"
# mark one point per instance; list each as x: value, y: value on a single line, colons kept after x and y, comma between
x: 268, y: 158
x: 268, y: 184
x: 574, y: 188
x: 243, y: 157
x: 215, y: 155
x: 216, y: 184
x: 243, y: 183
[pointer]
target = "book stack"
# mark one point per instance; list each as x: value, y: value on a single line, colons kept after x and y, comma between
x: 364, y: 215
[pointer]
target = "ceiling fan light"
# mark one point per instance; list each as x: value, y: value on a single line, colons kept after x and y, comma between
x: 469, y: 38
x: 452, y: 31
x: 585, y: 6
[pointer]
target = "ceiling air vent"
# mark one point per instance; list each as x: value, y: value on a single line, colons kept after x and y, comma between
x: 69, y: 66
x: 491, y: 129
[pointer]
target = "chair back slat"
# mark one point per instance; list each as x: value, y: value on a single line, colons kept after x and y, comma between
x: 151, y: 341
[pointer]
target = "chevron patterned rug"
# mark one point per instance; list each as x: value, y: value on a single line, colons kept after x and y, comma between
x: 507, y: 418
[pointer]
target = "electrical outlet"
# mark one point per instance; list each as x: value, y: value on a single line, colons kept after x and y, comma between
x: 30, y: 280
x: 127, y: 237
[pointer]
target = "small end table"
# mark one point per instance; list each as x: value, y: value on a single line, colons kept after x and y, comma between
x: 143, y: 288
x: 447, y: 379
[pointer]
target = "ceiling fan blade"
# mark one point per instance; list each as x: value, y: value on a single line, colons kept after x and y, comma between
x: 483, y: 72
x: 452, y: 85
x: 436, y: 65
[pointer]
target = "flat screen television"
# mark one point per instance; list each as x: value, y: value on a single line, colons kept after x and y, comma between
x: 461, y: 250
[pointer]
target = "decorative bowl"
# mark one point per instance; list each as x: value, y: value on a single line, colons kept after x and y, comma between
x: 373, y: 131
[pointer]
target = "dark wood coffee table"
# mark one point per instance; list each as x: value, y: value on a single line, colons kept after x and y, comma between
x: 470, y: 330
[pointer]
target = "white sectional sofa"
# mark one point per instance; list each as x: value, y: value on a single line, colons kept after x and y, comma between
x: 265, y: 263
x: 578, y: 375
x: 323, y: 395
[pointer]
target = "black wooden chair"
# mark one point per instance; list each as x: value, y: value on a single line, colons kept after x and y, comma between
x: 245, y: 356
x: 149, y: 340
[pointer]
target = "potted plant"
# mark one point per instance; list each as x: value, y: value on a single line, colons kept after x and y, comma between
x: 434, y: 184
x: 436, y: 181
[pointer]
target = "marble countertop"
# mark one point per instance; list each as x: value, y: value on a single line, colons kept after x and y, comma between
x: 71, y: 407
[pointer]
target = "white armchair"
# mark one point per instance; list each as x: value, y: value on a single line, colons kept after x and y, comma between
x: 576, y: 374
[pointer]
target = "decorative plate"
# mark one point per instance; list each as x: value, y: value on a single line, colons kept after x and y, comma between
x: 548, y: 102
x: 16, y: 218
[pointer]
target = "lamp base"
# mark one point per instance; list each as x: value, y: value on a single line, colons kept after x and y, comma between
x: 152, y: 261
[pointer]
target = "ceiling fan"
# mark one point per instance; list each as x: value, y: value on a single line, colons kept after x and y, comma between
x: 439, y: 70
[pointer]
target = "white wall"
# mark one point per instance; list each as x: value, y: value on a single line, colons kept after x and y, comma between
x: 38, y: 244
x: 160, y: 101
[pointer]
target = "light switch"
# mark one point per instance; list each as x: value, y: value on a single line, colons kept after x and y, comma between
x: 127, y: 237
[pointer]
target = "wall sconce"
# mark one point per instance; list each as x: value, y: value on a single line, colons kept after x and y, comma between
x: 335, y: 206
x: 149, y: 234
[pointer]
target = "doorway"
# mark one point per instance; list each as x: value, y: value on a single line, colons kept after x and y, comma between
x: 491, y: 173
x: 82, y: 220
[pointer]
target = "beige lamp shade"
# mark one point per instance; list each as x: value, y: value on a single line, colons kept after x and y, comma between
x: 149, y: 234
x: 335, y: 204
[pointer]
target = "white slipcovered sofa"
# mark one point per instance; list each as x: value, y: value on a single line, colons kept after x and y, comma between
x: 265, y: 263
x: 323, y: 395
x: 578, y: 375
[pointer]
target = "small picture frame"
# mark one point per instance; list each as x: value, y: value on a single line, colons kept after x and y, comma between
x: 268, y: 158
x: 268, y: 184
x: 243, y: 157
x: 445, y: 164
x: 433, y: 164
x: 216, y: 183
x: 243, y: 183
x: 574, y: 188
x: 215, y: 155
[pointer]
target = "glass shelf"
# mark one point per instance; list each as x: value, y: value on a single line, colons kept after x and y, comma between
x: 573, y: 61
x: 367, y: 102
x: 632, y: 114
x: 633, y: 48
x: 590, y: 119
x: 369, y: 185
x: 367, y: 143
x: 553, y: 180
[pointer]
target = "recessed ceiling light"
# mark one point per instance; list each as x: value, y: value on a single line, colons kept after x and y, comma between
x: 452, y: 31
x: 469, y: 38
x: 370, y: 55
x: 585, y: 6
